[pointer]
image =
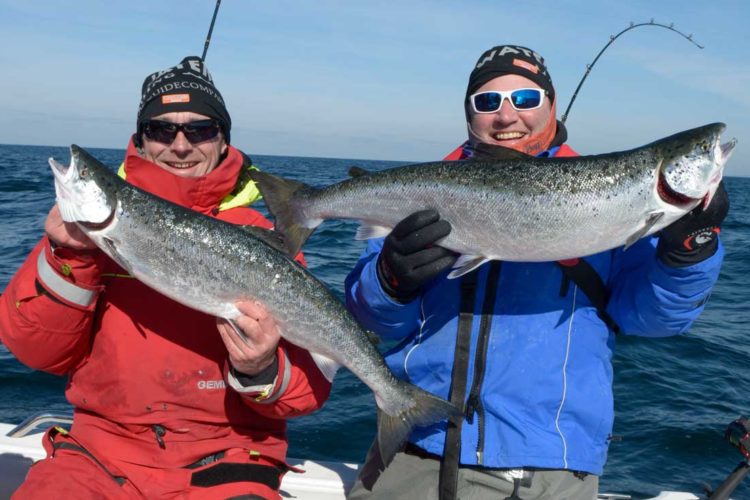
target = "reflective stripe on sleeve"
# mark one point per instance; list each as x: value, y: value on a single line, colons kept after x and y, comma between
x: 61, y: 287
x: 250, y: 389
x: 284, y: 383
x: 266, y: 393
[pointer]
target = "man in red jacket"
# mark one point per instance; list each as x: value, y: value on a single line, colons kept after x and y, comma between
x: 165, y: 405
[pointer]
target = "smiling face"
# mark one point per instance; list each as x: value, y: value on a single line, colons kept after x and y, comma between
x: 508, y: 127
x: 181, y: 157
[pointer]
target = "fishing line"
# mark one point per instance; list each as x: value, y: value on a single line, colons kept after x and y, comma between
x: 210, y: 30
x: 612, y: 38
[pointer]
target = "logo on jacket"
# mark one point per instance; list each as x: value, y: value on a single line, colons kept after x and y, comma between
x: 701, y: 238
x: 211, y: 384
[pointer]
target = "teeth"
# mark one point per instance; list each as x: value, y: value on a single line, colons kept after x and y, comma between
x: 504, y: 136
x: 182, y: 165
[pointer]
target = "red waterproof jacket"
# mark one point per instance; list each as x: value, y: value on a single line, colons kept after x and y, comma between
x: 140, y: 364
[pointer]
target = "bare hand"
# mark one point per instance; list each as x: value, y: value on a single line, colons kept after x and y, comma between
x: 65, y: 234
x: 257, y: 351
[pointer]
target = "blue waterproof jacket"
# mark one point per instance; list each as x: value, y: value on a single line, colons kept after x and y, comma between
x: 545, y: 395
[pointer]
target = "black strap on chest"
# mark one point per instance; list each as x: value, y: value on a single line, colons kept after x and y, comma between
x: 583, y: 274
x: 452, y: 449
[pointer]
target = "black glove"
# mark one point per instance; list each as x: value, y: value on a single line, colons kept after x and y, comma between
x: 409, y: 259
x: 694, y: 237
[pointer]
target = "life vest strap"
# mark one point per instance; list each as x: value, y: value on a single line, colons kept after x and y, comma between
x: 583, y: 274
x: 452, y: 449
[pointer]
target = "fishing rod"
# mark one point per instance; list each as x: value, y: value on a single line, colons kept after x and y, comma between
x: 210, y: 30
x: 738, y: 435
x: 612, y: 38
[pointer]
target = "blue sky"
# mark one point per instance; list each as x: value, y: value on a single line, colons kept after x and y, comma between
x: 371, y: 79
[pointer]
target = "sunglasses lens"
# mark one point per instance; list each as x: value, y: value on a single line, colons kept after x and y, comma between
x: 526, y: 98
x: 200, y: 131
x: 487, y: 102
x: 160, y: 131
x: 195, y: 132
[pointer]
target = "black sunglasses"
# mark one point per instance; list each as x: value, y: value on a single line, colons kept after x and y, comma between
x: 195, y: 132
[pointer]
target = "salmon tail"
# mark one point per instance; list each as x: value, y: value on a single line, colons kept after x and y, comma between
x: 423, y: 409
x: 278, y: 194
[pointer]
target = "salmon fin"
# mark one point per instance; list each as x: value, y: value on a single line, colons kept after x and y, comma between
x: 295, y: 237
x: 238, y: 331
x: 366, y: 232
x: 68, y: 211
x: 355, y: 171
x: 421, y: 409
x: 327, y: 366
x: 484, y: 151
x: 652, y: 219
x: 466, y: 264
x: 278, y: 194
x: 372, y: 337
x: 272, y: 238
x: 372, y: 468
x: 111, y: 250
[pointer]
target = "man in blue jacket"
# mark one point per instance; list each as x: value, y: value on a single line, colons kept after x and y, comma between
x: 526, y: 348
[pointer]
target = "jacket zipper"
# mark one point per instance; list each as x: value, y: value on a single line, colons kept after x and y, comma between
x: 474, y: 403
x: 159, y: 432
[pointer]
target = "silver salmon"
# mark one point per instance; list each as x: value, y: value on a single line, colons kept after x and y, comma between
x: 159, y: 243
x: 518, y: 208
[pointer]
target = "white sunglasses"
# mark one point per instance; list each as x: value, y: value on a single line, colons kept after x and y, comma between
x: 521, y: 99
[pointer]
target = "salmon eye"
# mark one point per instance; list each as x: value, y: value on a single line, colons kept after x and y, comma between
x: 84, y: 172
x: 704, y: 147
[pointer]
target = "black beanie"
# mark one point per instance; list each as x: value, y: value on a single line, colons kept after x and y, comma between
x: 185, y: 87
x: 510, y: 59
